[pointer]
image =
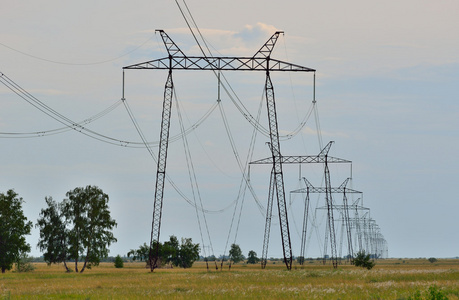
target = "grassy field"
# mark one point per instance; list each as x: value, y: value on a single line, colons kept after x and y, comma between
x: 389, y: 279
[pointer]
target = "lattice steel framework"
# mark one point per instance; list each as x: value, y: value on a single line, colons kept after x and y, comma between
x: 345, y: 207
x: 261, y: 61
x: 322, y: 157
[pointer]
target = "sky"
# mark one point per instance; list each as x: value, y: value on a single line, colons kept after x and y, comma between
x: 386, y: 92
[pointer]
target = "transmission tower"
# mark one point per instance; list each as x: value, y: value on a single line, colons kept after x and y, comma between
x: 343, y: 209
x: 322, y: 157
x: 261, y: 61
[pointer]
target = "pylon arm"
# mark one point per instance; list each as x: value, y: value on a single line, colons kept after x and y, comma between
x: 219, y: 64
x: 301, y: 160
x: 323, y: 190
x: 341, y: 207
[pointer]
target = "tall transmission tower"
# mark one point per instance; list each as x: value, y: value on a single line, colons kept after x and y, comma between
x: 261, y: 61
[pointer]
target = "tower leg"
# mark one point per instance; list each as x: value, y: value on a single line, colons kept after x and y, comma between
x: 277, y: 169
x: 161, y: 173
x: 331, y: 222
x: 269, y: 211
x: 305, y: 227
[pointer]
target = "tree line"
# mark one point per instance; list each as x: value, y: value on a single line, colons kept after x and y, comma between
x: 78, y: 231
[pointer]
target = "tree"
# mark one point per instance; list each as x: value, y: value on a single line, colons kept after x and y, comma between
x: 172, y: 252
x: 189, y: 253
x: 53, y: 233
x: 235, y: 253
x: 13, y: 229
x: 119, y: 263
x: 432, y: 260
x: 252, y: 257
x: 141, y: 254
x: 363, y: 260
x: 210, y: 258
x: 82, y: 230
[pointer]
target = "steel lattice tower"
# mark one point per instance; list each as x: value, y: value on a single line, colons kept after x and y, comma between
x: 261, y: 61
x: 322, y: 157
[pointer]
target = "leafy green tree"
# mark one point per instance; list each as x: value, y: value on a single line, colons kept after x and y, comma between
x: 86, y: 209
x: 235, y: 253
x: 53, y: 239
x: 363, y: 260
x: 189, y: 253
x: 119, y: 263
x: 83, y: 228
x: 13, y: 229
x: 172, y: 252
x: 141, y: 254
x: 252, y: 257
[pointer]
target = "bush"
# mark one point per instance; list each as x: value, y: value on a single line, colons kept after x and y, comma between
x: 363, y: 260
x: 24, y: 264
x: 432, y: 260
x: 433, y: 293
x: 119, y: 263
x: 436, y: 294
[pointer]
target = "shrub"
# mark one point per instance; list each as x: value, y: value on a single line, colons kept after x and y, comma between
x: 433, y: 293
x: 363, y: 260
x: 436, y: 294
x: 432, y: 260
x: 24, y: 264
x: 119, y: 262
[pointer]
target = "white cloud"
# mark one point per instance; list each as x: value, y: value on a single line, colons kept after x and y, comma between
x: 243, y: 42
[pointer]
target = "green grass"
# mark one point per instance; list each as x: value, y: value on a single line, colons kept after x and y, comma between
x: 387, y: 280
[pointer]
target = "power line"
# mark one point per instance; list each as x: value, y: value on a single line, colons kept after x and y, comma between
x: 76, y: 64
x: 42, y: 133
x: 80, y: 126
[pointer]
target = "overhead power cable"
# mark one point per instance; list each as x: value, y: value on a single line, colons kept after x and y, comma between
x: 194, y: 184
x: 227, y: 87
x: 61, y: 129
x: 76, y: 64
x: 171, y: 182
x: 245, y: 182
x: 80, y: 126
x: 51, y: 112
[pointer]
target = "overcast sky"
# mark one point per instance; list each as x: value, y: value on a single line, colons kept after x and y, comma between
x: 387, y: 94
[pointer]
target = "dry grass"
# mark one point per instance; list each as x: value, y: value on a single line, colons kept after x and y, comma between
x: 390, y: 279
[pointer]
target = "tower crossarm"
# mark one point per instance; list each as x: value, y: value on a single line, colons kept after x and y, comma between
x: 220, y: 64
x: 340, y: 207
x: 301, y: 160
x: 322, y: 157
x: 261, y: 61
x: 322, y: 190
